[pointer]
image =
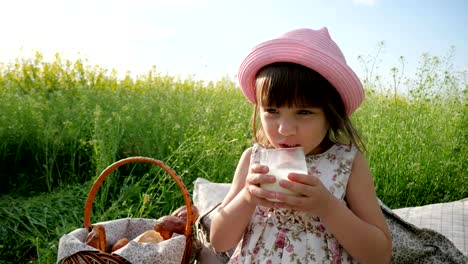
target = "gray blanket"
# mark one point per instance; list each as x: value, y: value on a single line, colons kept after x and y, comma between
x: 435, y: 233
x: 416, y: 244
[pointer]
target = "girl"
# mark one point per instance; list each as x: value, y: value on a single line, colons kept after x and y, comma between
x: 303, y: 93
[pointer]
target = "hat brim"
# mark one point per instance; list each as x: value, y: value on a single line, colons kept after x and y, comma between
x: 339, y: 74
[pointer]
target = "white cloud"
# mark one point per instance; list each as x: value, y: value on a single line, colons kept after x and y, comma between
x: 176, y: 4
x: 365, y: 2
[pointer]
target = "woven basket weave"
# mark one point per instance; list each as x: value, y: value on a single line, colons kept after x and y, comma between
x: 103, y: 257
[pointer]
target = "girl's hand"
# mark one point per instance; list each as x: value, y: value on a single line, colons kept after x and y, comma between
x: 258, y: 174
x: 314, y: 197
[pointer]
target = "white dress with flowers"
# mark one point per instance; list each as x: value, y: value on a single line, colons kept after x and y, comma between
x: 289, y: 236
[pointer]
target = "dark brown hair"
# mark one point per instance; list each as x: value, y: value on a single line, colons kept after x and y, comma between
x: 289, y: 84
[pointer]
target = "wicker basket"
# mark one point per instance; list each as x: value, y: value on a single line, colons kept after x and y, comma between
x: 103, y: 257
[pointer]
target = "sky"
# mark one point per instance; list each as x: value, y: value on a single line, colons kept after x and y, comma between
x: 208, y: 39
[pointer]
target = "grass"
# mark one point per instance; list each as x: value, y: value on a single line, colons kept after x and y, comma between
x: 63, y: 122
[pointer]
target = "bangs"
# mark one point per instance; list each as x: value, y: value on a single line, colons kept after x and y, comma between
x: 289, y: 84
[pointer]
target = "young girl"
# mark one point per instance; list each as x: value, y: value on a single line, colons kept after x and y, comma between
x: 303, y: 92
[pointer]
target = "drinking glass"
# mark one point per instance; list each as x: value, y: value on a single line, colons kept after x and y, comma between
x: 281, y: 162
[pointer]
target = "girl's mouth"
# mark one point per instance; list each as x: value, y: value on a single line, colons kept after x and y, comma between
x: 289, y: 146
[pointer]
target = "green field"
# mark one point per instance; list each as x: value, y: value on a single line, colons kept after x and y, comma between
x: 63, y: 122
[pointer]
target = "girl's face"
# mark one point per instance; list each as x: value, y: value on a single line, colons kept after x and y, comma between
x: 294, y: 126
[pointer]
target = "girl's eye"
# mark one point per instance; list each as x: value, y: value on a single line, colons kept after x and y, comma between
x: 270, y: 110
x: 304, y: 112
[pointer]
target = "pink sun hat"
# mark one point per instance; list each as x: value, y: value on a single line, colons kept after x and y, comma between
x: 311, y: 48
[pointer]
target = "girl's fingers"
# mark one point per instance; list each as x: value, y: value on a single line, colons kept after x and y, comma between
x: 258, y: 168
x: 304, y: 179
x: 258, y: 176
x: 271, y: 199
x: 301, y: 184
x: 261, y: 193
x: 307, y: 186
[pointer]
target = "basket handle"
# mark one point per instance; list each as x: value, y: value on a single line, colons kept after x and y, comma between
x: 188, y: 201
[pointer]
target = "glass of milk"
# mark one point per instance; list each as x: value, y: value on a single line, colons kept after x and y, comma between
x: 281, y: 162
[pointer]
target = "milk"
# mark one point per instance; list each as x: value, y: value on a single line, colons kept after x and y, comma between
x: 280, y: 174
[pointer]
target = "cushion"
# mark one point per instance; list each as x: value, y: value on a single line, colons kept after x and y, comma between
x: 207, y: 196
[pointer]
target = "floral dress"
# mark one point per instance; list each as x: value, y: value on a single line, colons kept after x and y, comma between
x: 278, y: 235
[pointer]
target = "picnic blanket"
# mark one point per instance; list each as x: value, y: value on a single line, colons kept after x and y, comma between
x: 449, y: 219
x: 436, y: 233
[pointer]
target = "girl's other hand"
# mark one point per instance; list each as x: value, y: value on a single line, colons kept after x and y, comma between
x: 314, y: 197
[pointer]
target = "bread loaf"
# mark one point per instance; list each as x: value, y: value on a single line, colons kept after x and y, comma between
x: 97, y: 238
x: 120, y: 244
x: 168, y: 225
x: 149, y: 236
x: 181, y: 212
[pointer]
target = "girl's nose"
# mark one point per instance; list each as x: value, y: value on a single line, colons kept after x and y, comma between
x: 286, y: 127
